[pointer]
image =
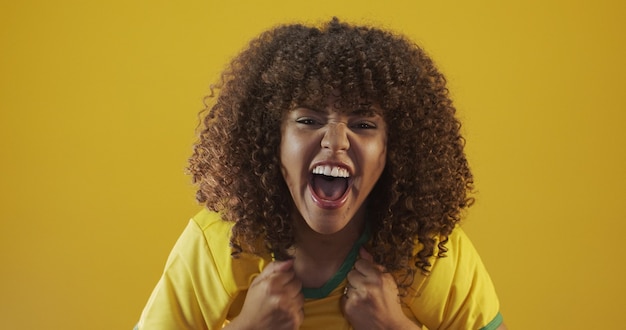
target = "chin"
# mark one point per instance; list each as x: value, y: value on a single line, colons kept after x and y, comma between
x: 326, y: 230
x: 328, y: 224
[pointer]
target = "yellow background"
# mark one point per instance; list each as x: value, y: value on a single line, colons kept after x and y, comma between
x: 98, y: 105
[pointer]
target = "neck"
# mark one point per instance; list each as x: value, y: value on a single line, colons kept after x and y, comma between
x: 319, y: 256
x: 313, y: 243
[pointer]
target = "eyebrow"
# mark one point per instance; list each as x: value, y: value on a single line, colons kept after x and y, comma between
x: 365, y: 110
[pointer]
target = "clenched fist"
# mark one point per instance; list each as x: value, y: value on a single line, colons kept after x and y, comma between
x: 371, y: 299
x: 273, y: 301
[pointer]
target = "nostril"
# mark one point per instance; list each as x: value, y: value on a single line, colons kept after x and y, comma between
x: 336, y: 137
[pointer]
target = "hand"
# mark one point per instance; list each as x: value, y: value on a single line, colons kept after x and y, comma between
x: 371, y: 299
x: 273, y: 301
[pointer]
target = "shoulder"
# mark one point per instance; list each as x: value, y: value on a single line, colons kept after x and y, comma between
x: 206, y: 219
x: 213, y: 229
x: 458, y: 292
x: 216, y: 235
x: 460, y: 267
x: 199, y: 269
x: 204, y: 234
x: 204, y: 247
x: 459, y: 250
x: 460, y: 254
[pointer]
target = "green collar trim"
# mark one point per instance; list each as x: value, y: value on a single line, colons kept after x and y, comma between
x: 348, y: 263
x: 495, y: 323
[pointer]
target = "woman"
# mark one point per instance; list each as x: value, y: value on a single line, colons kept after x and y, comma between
x: 333, y: 174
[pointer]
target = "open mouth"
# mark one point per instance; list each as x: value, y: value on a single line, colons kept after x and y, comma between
x: 329, y: 184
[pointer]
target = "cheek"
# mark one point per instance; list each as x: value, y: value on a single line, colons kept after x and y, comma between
x: 284, y: 144
x: 284, y: 159
x: 286, y: 147
x: 382, y: 161
x: 290, y: 153
x: 378, y: 154
x: 383, y: 149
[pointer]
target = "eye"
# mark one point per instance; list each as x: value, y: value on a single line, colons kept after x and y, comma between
x: 364, y: 125
x: 306, y: 121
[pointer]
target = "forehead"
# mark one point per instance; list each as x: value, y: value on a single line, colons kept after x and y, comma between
x: 356, y: 106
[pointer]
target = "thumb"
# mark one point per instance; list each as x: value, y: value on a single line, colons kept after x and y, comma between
x: 271, y: 268
x: 365, y: 255
x: 279, y: 266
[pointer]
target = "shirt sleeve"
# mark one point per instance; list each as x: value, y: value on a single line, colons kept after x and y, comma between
x: 190, y: 293
x: 458, y: 293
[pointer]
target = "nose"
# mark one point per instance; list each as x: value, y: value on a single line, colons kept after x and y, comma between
x: 336, y: 137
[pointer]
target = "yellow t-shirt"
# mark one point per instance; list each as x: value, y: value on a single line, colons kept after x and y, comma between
x: 202, y: 286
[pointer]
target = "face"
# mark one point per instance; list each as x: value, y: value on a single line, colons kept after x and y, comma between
x: 331, y: 162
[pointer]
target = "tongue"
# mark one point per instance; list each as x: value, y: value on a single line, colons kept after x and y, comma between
x: 329, y: 188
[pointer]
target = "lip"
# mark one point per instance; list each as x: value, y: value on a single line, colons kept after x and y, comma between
x: 330, y: 204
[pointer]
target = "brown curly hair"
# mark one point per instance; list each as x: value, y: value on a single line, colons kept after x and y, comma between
x: 425, y: 185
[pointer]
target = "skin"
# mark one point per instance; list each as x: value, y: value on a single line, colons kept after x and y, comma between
x: 371, y: 301
x: 325, y: 231
x: 357, y: 143
x: 273, y: 301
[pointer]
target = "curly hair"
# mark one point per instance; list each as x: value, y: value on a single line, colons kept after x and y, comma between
x: 425, y: 185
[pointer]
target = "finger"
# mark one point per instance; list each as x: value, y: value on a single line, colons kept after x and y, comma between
x: 300, y: 318
x: 286, y: 279
x: 352, y: 292
x: 355, y: 280
x: 280, y: 266
x: 280, y: 271
x: 365, y: 255
x: 300, y: 305
x: 294, y: 288
x: 346, y: 291
x: 276, y: 267
x: 299, y: 299
x: 367, y: 268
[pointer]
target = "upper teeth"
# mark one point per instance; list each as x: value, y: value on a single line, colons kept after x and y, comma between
x: 334, y: 171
